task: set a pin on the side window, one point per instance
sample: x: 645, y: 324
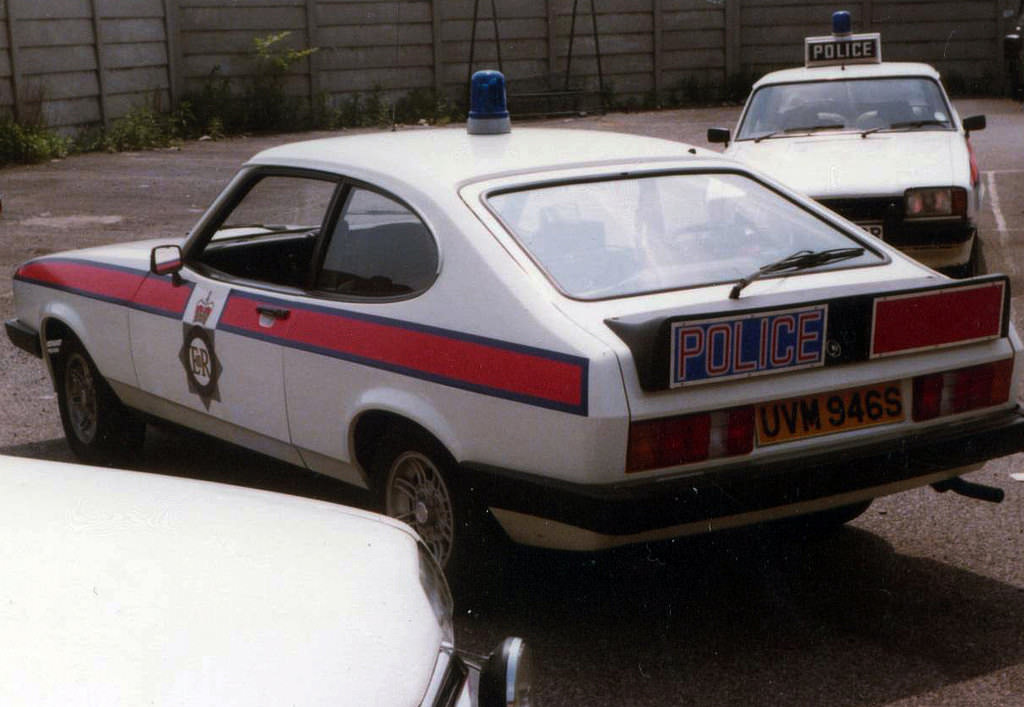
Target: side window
x: 378, y: 248
x: 270, y: 235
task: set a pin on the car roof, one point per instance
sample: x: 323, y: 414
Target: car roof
x: 851, y: 71
x: 450, y: 157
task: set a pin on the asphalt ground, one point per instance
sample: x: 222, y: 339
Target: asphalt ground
x: 918, y: 602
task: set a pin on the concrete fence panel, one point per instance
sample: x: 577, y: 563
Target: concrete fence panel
x: 75, y: 63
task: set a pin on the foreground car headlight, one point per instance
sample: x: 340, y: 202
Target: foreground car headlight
x: 506, y: 676
x: 935, y: 202
x: 440, y: 597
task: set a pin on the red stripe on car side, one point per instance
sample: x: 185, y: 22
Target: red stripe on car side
x: 434, y: 355
x: 161, y: 294
x: 933, y: 319
x: 130, y: 287
x: 111, y: 283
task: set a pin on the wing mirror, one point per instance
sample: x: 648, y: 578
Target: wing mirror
x: 166, y: 260
x: 721, y: 135
x: 975, y: 122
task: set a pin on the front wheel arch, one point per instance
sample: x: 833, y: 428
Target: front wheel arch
x: 97, y: 425
x: 382, y: 441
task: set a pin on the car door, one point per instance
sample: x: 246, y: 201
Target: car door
x: 377, y: 255
x: 218, y: 367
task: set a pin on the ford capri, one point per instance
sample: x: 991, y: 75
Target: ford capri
x: 571, y: 339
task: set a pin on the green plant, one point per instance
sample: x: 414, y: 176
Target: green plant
x: 141, y: 128
x: 268, y: 107
x: 29, y: 143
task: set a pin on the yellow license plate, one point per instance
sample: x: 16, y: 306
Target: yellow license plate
x: 798, y: 418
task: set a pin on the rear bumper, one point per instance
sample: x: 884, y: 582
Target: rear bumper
x: 725, y: 497
x: 24, y: 337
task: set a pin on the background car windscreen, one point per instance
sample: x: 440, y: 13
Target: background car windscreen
x: 624, y: 237
x: 861, y: 104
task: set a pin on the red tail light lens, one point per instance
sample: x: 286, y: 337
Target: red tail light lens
x: 671, y: 441
x: 740, y: 435
x: 928, y: 396
x: 962, y: 390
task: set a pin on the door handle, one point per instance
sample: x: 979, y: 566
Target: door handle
x: 274, y: 312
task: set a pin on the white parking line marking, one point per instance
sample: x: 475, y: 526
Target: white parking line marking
x: 993, y: 199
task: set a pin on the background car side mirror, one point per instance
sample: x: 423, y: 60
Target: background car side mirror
x: 975, y: 122
x: 166, y: 260
x: 721, y: 135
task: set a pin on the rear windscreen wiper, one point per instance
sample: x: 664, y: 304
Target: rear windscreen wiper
x: 800, y: 260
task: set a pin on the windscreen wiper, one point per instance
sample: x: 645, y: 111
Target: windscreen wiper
x: 915, y: 124
x: 800, y: 260
x: 801, y: 129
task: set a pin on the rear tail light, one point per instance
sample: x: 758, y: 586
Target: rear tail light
x: 671, y: 441
x: 962, y: 390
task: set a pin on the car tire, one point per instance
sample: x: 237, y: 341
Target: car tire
x: 418, y: 482
x: 821, y: 523
x: 975, y: 265
x: 98, y: 427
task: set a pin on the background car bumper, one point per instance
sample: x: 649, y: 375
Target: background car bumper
x: 24, y: 337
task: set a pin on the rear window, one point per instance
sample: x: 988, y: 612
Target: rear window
x: 621, y: 237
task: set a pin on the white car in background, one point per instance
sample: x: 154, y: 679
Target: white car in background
x: 878, y: 142
x: 126, y: 588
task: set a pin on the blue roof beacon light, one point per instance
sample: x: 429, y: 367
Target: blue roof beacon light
x: 841, y: 25
x: 488, y: 111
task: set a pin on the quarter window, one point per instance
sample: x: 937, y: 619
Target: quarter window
x: 378, y: 248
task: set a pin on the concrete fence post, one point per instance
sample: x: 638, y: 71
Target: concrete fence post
x: 552, y: 32
x: 436, y: 40
x: 312, y: 35
x: 733, y: 38
x: 172, y: 36
x: 12, y: 49
x: 101, y: 73
x: 658, y: 60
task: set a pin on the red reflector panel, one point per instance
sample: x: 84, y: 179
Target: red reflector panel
x: 924, y: 320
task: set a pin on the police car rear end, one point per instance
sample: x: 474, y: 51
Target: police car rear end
x: 775, y: 359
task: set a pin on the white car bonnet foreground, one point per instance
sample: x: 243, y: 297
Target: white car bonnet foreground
x: 125, y: 588
x: 585, y: 338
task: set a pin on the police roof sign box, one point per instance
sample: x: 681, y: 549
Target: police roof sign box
x: 851, y: 49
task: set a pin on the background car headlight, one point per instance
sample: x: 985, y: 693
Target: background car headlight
x: 935, y: 202
x: 506, y: 676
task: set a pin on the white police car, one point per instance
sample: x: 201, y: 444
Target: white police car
x: 125, y: 588
x: 878, y: 142
x: 588, y: 338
